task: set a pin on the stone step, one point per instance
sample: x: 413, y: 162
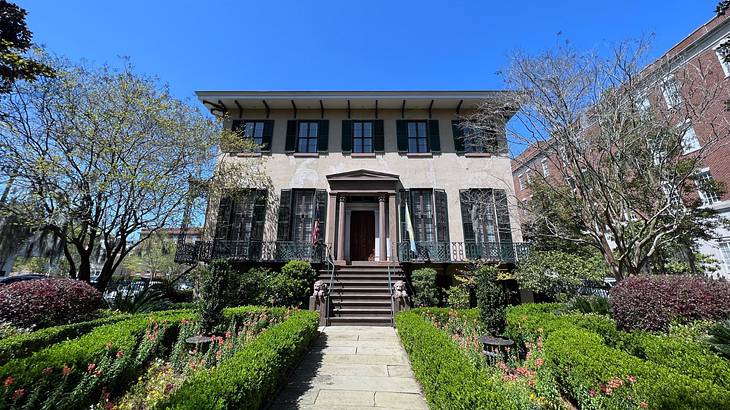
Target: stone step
x: 358, y: 312
x: 372, y: 287
x: 352, y: 302
x: 360, y: 321
x: 360, y: 295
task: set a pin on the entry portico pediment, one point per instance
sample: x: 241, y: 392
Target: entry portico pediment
x: 362, y: 175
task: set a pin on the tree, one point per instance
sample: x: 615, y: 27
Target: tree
x: 99, y: 154
x: 15, y: 41
x: 627, y: 161
x: 155, y: 256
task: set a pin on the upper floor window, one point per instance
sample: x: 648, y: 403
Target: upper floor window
x: 521, y: 181
x: 671, y: 92
x: 417, y: 136
x: 722, y: 54
x: 259, y: 132
x: 690, y: 143
x: 308, y: 136
x: 708, y: 196
x: 725, y: 252
x: 362, y: 136
x: 545, y: 167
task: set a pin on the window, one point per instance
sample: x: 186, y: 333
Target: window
x: 253, y: 130
x: 304, y: 204
x: 241, y: 217
x: 725, y: 252
x: 671, y: 92
x: 545, y: 168
x: 308, y: 136
x: 417, y: 136
x: 690, y: 143
x: 722, y: 53
x: 703, y: 179
x: 422, y: 200
x: 362, y: 136
x: 644, y: 104
x: 485, y: 215
x: 521, y: 181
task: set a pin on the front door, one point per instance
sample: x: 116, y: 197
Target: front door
x: 362, y: 235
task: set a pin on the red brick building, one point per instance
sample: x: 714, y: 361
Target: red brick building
x: 698, y: 50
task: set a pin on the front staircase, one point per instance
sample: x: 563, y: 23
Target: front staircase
x: 360, y: 295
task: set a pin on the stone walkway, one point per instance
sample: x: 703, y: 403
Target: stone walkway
x: 353, y: 368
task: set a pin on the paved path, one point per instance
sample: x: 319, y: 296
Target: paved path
x: 353, y: 368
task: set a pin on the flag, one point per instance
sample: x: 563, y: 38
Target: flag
x: 315, y: 232
x: 409, y: 229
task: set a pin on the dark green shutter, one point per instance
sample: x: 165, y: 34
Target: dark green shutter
x: 284, y: 227
x: 347, y: 136
x: 466, y: 217
x: 502, y: 207
x: 291, y: 136
x: 434, y: 137
x: 258, y: 216
x: 442, y: 215
x: 401, y: 127
x: 323, y: 139
x: 267, y: 136
x: 378, y: 136
x: 321, y: 212
x: 458, y: 136
x: 404, y: 196
x: 236, y: 125
x: 223, y: 220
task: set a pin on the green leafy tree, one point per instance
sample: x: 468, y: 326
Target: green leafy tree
x: 156, y: 257
x: 15, y: 41
x: 492, y: 299
x: 558, y: 274
x: 425, y: 290
x: 99, y: 154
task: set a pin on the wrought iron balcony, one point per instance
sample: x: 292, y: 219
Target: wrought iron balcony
x: 253, y: 251
x: 510, y: 252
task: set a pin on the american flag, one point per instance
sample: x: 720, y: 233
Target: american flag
x: 315, y: 229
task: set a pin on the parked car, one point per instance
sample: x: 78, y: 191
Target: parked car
x: 19, y: 278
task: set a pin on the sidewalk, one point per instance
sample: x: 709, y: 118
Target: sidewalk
x: 353, y: 368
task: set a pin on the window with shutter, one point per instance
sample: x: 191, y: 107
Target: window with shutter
x: 303, y: 215
x: 362, y: 136
x: 291, y: 136
x: 323, y: 138
x: 442, y: 215
x: 308, y: 136
x: 458, y: 134
x: 321, y: 213
x: 401, y: 128
x: 434, y: 136
x: 346, y: 136
x: 258, y: 132
x: 284, y: 226
x: 379, y: 136
x: 417, y: 136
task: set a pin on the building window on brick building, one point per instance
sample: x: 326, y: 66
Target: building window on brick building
x: 671, y: 92
x: 722, y: 55
x: 703, y: 177
x: 521, y: 181
x: 545, y: 168
x: 725, y: 253
x: 644, y: 105
x: 690, y: 142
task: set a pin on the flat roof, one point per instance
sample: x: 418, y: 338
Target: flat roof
x: 464, y: 99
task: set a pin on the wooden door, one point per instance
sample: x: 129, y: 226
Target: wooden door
x: 362, y: 235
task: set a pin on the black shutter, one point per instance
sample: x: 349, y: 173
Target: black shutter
x: 223, y: 220
x: 324, y: 136
x: 291, y: 136
x: 284, y: 227
x: 268, y: 134
x: 402, y: 134
x: 321, y: 212
x: 434, y: 137
x: 346, y: 136
x: 258, y: 216
x: 458, y: 136
x: 442, y: 215
x: 404, y: 196
x: 236, y: 125
x: 378, y: 136
x: 502, y: 207
x: 466, y: 216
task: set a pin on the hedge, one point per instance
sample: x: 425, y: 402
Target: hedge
x: 582, y: 362
x: 71, y: 374
x: 253, y: 374
x: 448, y: 378
x: 23, y: 344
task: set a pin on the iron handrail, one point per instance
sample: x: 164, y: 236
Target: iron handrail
x: 329, y: 260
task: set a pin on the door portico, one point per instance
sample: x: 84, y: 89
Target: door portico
x: 362, y: 191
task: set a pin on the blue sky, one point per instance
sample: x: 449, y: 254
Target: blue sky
x: 330, y: 45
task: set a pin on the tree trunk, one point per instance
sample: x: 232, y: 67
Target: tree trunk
x: 84, y: 268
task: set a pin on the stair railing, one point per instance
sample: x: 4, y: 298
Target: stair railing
x: 330, y: 262
x: 389, y: 264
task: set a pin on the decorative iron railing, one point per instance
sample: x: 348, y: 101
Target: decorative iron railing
x: 254, y: 251
x: 462, y: 251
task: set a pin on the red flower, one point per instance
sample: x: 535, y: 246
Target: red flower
x: 9, y: 380
x: 615, y: 383
x: 120, y: 354
x: 48, y: 370
x: 90, y: 368
x: 66, y: 370
x: 228, y: 334
x: 592, y: 393
x: 18, y: 394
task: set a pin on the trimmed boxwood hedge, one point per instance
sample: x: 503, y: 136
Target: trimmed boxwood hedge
x: 23, y: 344
x: 583, y: 362
x: 252, y: 375
x: 448, y: 378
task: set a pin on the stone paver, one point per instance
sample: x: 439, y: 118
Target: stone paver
x: 353, y: 367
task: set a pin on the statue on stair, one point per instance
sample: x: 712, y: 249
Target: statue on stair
x: 400, y: 297
x: 319, y: 301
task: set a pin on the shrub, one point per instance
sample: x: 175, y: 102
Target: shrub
x: 253, y: 374
x: 589, y: 304
x: 216, y: 290
x: 491, y: 299
x: 458, y: 297
x: 48, y: 302
x: 290, y: 287
x: 586, y: 368
x: 449, y: 380
x: 425, y: 291
x: 23, y: 344
x: 720, y: 338
x: 558, y: 274
x: 654, y: 302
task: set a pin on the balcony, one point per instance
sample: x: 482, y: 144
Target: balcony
x: 509, y: 252
x: 284, y: 251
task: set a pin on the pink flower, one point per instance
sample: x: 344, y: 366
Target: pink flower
x: 644, y: 405
x: 66, y: 370
x: 615, y: 383
x: 169, y: 387
x: 9, y: 380
x: 631, y: 379
x: 48, y: 370
x: 228, y: 334
x: 18, y: 394
x: 120, y: 354
x: 592, y: 393
x: 90, y: 368
x: 539, y: 361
